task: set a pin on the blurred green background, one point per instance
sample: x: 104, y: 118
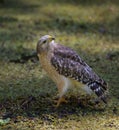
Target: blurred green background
x: 91, y: 27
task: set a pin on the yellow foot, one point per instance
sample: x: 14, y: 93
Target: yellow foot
x: 59, y: 101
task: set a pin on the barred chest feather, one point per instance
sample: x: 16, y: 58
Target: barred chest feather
x: 49, y: 69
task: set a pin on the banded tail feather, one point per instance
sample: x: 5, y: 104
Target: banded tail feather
x: 99, y: 90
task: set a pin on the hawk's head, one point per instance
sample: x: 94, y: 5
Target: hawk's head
x: 43, y: 43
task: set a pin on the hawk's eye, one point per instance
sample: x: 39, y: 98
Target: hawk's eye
x: 44, y: 41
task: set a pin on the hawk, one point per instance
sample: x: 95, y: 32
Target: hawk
x: 65, y: 67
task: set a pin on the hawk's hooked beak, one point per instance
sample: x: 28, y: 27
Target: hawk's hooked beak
x: 51, y: 38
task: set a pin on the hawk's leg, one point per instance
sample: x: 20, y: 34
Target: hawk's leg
x: 62, y: 88
x: 60, y: 100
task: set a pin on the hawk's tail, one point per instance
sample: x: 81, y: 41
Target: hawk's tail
x: 99, y: 91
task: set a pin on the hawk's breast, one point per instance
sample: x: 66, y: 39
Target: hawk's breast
x: 49, y: 69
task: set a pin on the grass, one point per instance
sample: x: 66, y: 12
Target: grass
x: 26, y: 93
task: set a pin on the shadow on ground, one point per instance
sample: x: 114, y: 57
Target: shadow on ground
x: 23, y: 4
x: 19, y: 6
x: 23, y: 31
x: 42, y: 105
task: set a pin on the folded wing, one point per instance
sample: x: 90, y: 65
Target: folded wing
x: 69, y: 64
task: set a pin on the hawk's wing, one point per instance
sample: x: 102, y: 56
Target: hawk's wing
x: 68, y: 63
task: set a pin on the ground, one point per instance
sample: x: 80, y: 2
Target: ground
x: 26, y: 93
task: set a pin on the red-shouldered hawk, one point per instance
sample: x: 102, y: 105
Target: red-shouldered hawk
x: 64, y: 66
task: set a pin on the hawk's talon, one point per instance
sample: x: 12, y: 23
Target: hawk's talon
x: 59, y: 101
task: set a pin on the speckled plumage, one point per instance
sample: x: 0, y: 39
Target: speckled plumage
x: 64, y: 64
